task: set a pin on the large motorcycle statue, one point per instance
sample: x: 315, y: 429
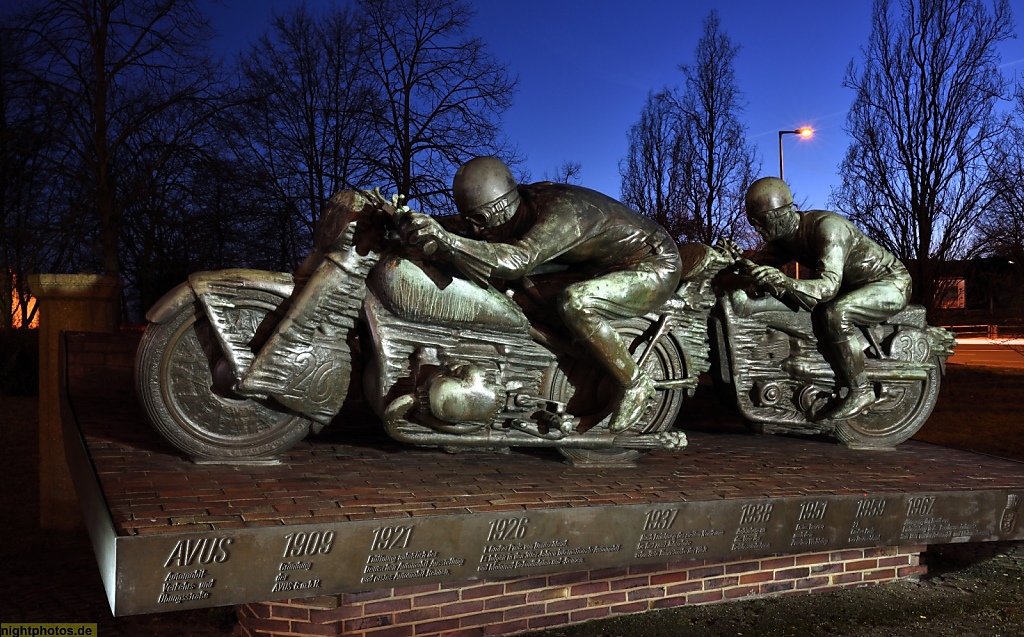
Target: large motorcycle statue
x: 239, y: 365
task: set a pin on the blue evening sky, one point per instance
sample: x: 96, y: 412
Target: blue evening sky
x: 585, y: 68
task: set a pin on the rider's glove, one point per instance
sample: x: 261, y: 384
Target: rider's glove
x: 772, y: 279
x: 729, y: 248
x: 424, y: 232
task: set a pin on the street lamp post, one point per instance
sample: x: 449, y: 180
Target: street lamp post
x: 804, y: 132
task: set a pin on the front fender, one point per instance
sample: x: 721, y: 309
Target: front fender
x: 200, y: 283
x: 170, y: 303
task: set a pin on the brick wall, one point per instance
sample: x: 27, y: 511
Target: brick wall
x: 87, y: 352
x: 501, y: 607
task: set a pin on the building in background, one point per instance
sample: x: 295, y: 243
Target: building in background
x: 23, y: 307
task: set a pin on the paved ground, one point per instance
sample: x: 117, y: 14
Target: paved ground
x: 967, y: 595
x: 989, y: 352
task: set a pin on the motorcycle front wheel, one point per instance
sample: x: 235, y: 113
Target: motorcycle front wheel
x: 586, y: 389
x: 183, y: 382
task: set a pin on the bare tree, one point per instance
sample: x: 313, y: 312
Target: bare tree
x: 1002, y: 226
x: 303, y: 122
x: 650, y: 173
x: 568, y: 173
x: 19, y: 135
x: 112, y: 68
x: 439, y: 93
x: 923, y: 122
x: 174, y: 227
x: 716, y: 162
x: 689, y: 163
x: 38, y: 231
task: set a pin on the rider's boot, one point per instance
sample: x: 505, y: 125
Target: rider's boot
x: 850, y: 369
x: 635, y: 398
x: 637, y: 387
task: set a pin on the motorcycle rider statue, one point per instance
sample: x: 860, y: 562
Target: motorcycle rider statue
x: 516, y: 228
x: 857, y: 281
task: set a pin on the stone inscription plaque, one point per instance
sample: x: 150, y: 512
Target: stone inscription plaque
x: 175, y: 571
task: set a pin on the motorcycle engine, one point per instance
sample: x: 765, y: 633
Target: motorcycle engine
x: 461, y: 393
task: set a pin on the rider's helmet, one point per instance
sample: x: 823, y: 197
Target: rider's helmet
x: 765, y: 195
x: 485, y: 191
x: 769, y: 207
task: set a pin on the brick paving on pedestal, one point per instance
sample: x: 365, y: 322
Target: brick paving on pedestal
x: 152, y: 489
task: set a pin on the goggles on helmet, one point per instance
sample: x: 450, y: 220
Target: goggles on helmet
x: 494, y: 213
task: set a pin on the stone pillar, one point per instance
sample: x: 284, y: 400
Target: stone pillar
x: 67, y: 302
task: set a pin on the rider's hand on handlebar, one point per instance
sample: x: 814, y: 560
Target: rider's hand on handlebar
x: 729, y: 248
x: 771, y: 278
x: 424, y: 232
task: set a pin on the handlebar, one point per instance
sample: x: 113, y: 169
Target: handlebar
x: 394, y: 208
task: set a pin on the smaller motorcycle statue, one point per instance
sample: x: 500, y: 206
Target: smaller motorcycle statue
x: 768, y: 362
x: 239, y: 365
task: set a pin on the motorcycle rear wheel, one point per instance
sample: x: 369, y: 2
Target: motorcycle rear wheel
x: 180, y: 379
x: 907, y: 407
x: 585, y: 387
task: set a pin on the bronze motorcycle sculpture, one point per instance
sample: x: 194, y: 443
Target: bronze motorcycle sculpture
x: 239, y: 365
x: 242, y: 364
x: 768, y: 363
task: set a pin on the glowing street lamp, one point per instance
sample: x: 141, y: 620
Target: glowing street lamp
x: 804, y: 132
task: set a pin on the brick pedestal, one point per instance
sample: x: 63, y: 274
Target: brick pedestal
x: 501, y: 607
x: 67, y: 302
x: 170, y: 534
